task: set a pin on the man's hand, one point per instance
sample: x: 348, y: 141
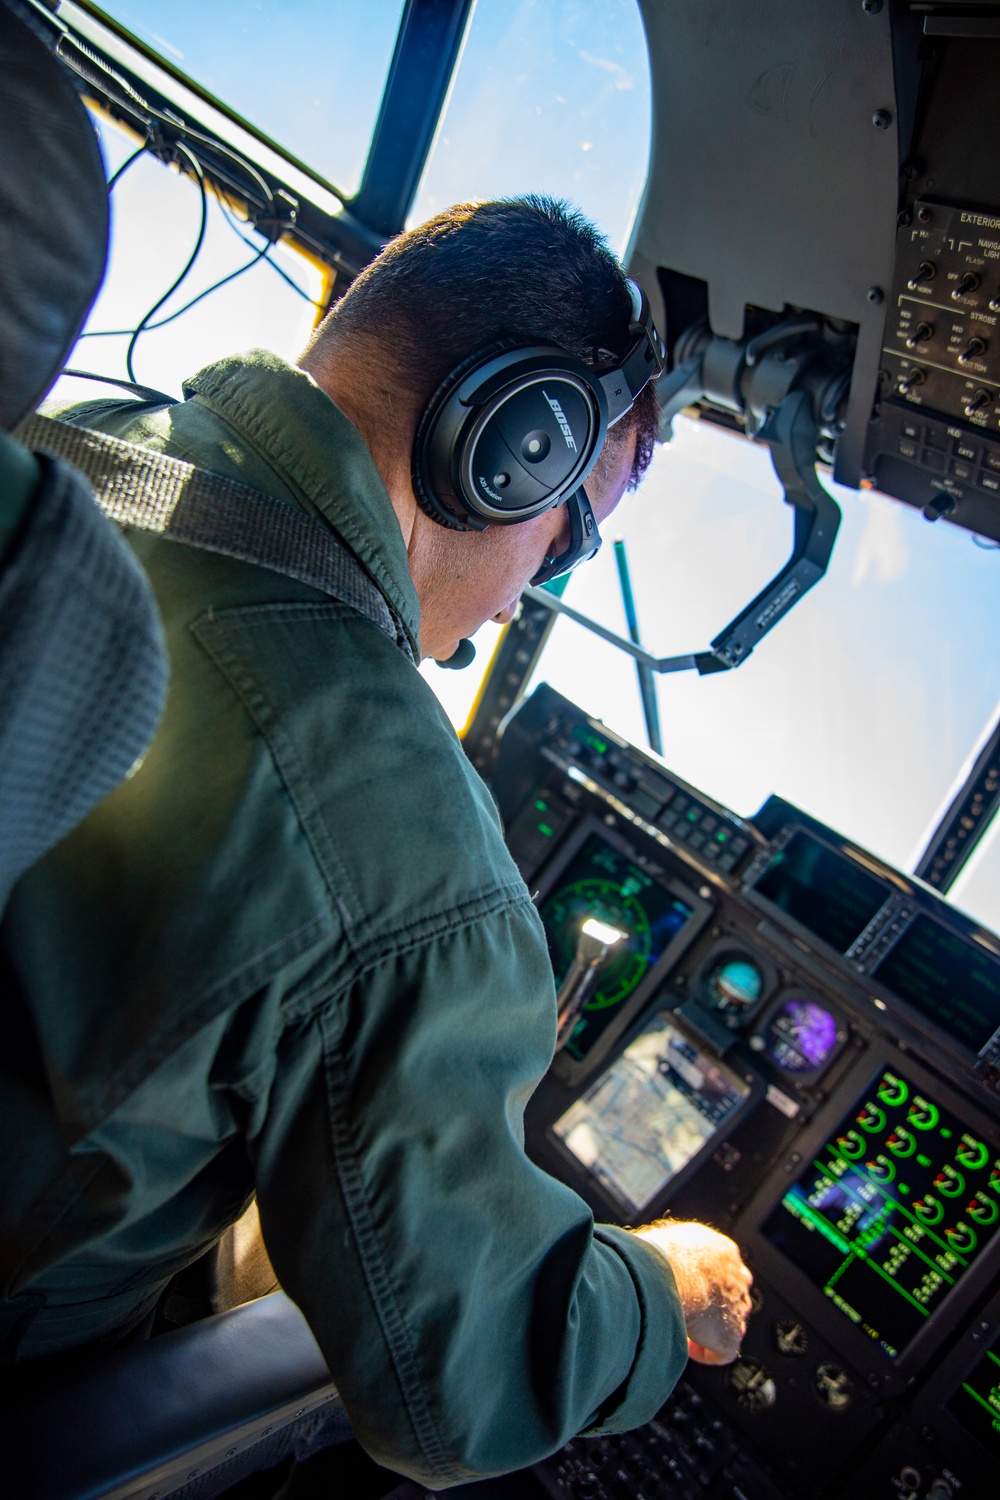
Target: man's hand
x: 713, y: 1283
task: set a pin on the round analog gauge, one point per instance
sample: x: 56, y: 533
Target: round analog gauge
x: 733, y: 987
x: 790, y: 1338
x: 753, y: 1385
x: 801, y: 1035
x: 833, y: 1386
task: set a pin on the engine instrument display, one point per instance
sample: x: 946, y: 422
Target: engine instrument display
x: 892, y: 1211
x: 801, y: 1035
x: 650, y: 1113
x: 976, y: 1403
x: 732, y: 987
x: 950, y: 981
x: 826, y: 892
x: 601, y: 882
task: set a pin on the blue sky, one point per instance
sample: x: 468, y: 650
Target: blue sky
x: 863, y: 706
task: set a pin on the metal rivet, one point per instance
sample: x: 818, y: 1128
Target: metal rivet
x: 924, y: 214
x: 903, y: 217
x: 881, y: 119
x: 875, y: 294
x: 871, y: 7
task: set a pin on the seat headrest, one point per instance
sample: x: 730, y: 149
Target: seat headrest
x: 53, y: 217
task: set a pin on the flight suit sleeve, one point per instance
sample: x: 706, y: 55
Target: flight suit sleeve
x: 472, y: 1315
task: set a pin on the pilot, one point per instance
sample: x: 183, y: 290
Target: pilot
x: 290, y: 956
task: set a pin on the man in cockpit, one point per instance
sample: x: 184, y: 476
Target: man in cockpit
x: 290, y: 956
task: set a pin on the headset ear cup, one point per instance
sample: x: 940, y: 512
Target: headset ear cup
x: 430, y: 439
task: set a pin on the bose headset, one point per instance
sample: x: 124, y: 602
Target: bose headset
x: 509, y: 435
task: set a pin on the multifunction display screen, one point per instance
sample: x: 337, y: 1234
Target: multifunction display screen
x: 601, y: 882
x: 950, y: 981
x: 976, y: 1403
x: 829, y: 894
x: 654, y: 1109
x: 892, y: 1211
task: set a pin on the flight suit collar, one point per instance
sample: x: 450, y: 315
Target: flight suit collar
x: 317, y: 453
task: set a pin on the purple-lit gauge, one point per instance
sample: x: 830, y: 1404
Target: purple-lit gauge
x: 801, y: 1035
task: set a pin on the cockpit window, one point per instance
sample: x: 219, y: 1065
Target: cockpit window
x: 548, y: 97
x: 860, y: 708
x: 309, y: 74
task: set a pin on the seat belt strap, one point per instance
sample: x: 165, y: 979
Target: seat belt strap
x: 153, y: 492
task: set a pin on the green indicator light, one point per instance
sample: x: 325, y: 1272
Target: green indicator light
x: 694, y: 815
x: 542, y: 806
x: 721, y: 836
x: 946, y: 1134
x: 924, y: 1161
x: 544, y: 828
x: 903, y: 1188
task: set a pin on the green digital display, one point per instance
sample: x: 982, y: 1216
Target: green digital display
x: 976, y: 1403
x: 599, y: 881
x: 892, y: 1211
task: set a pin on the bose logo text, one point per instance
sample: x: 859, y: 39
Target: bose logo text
x: 564, y: 426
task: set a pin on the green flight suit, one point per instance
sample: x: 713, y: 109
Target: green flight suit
x: 291, y: 955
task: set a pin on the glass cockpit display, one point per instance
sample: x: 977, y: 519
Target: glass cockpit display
x: 952, y: 982
x: 892, y: 1211
x: 650, y: 1113
x: 600, y: 882
x: 825, y: 891
x: 976, y: 1403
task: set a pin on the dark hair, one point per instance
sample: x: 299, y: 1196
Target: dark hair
x: 527, y: 270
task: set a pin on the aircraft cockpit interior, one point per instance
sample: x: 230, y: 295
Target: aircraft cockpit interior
x: 748, y: 760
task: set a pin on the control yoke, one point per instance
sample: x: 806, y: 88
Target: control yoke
x: 790, y: 403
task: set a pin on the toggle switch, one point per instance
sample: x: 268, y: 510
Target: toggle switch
x: 976, y: 402
x: 968, y: 284
x: 977, y: 346
x: 920, y: 335
x: 926, y: 271
x: 911, y: 378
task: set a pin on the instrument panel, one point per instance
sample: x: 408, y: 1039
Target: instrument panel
x: 784, y: 1044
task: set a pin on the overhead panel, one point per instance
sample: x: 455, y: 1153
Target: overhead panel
x: 774, y: 167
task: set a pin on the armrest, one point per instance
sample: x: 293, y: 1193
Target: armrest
x: 143, y: 1420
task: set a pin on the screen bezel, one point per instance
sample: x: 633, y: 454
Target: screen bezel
x: 884, y: 1373
x: 570, y: 1169
x: 570, y: 1070
x: 794, y: 926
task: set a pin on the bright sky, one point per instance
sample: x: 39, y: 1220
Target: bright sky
x: 863, y: 706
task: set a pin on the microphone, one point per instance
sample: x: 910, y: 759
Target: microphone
x: 463, y: 655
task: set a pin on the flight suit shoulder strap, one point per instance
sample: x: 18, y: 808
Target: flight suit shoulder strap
x: 154, y: 492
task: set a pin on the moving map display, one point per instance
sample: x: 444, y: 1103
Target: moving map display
x: 601, y: 882
x: 892, y: 1212
x: 650, y: 1113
